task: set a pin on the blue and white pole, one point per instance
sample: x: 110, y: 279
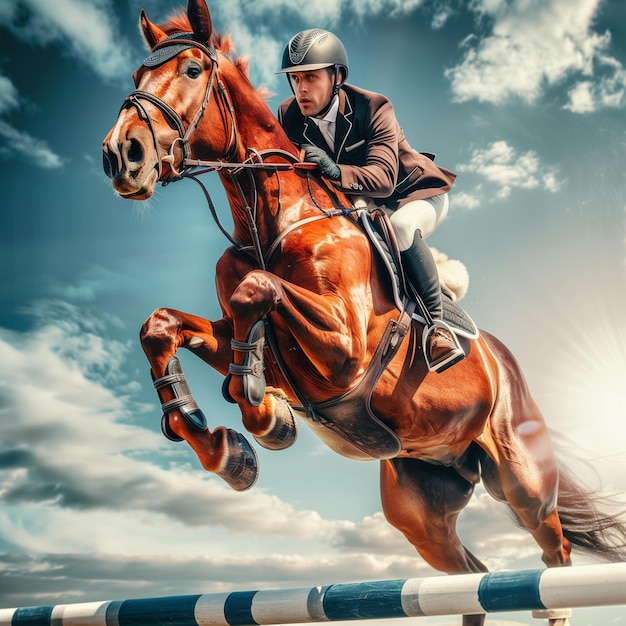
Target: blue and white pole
x: 529, y: 590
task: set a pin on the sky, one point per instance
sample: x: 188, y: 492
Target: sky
x: 524, y: 99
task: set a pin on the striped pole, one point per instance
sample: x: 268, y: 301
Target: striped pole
x: 529, y: 590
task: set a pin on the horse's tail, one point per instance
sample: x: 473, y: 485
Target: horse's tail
x: 585, y: 516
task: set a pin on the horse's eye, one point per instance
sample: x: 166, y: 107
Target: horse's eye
x: 193, y: 70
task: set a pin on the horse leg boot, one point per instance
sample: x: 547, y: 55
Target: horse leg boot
x: 441, y: 348
x: 238, y: 462
x: 283, y: 430
x: 252, y: 371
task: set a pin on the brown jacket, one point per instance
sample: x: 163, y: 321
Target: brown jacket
x: 371, y: 150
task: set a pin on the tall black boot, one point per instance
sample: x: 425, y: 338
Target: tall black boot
x: 441, y: 348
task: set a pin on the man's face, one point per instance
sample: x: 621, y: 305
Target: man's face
x: 313, y: 90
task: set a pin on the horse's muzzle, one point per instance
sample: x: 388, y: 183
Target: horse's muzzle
x: 115, y: 161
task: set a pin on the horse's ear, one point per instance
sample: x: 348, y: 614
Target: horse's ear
x: 200, y: 20
x: 152, y: 34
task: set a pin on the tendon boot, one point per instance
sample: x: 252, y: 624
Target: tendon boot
x: 441, y: 347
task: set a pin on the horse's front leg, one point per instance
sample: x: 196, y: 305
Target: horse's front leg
x: 223, y: 450
x: 331, y: 332
x: 327, y: 333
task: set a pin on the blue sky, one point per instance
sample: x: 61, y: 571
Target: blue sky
x: 524, y: 99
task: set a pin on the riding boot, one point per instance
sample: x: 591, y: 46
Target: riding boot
x: 441, y: 348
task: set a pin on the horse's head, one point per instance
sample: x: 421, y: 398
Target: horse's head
x: 175, y: 86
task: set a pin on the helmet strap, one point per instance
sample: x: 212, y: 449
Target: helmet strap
x: 336, y: 82
x: 335, y: 91
x: 293, y: 91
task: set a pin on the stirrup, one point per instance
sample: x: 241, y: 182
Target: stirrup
x: 447, y: 360
x: 253, y: 370
x: 183, y: 400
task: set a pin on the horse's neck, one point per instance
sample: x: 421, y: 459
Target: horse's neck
x: 264, y: 204
x: 276, y: 199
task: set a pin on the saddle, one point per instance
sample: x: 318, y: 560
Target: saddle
x: 376, y: 226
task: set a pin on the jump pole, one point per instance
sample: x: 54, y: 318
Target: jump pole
x: 540, y: 591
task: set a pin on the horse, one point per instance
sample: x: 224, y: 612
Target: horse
x: 311, y: 331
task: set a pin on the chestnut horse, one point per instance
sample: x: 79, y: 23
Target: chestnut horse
x: 308, y: 307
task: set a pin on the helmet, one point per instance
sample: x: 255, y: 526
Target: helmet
x: 314, y: 49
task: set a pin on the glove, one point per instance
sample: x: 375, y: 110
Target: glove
x: 326, y: 165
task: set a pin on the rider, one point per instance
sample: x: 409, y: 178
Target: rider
x: 355, y: 140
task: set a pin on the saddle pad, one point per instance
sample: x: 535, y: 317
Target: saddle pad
x: 458, y: 319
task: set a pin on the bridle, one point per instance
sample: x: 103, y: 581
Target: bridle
x: 135, y: 99
x: 189, y: 167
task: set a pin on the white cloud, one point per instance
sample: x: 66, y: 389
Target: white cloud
x: 442, y: 12
x: 9, y: 98
x: 265, y: 45
x: 465, y: 200
x: 501, y: 165
x: 535, y: 45
x: 89, y: 33
x: 373, y: 534
x: 88, y: 28
x: 57, y: 395
x: 587, y: 96
x: 17, y: 142
x: 35, y: 151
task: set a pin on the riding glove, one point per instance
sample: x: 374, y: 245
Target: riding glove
x: 326, y: 165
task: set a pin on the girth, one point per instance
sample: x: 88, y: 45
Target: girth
x: 347, y: 423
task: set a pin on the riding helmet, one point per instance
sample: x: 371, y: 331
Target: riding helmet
x: 314, y: 49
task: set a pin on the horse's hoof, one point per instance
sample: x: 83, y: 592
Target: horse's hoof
x: 240, y: 466
x: 285, y: 429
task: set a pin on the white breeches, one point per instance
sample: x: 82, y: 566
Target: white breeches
x: 423, y: 215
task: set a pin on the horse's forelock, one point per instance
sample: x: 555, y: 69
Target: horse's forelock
x: 179, y: 22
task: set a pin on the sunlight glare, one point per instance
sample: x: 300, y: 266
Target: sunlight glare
x: 588, y: 379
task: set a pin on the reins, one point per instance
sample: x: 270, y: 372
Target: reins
x: 251, y: 208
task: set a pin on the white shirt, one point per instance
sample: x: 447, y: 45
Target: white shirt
x: 328, y: 123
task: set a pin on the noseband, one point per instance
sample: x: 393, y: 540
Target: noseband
x: 164, y: 51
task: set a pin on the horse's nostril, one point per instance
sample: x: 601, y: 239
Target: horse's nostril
x: 106, y: 164
x: 135, y: 151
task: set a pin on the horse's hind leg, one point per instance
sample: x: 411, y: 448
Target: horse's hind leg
x: 527, y: 471
x: 528, y: 478
x: 423, y: 501
x: 525, y: 468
